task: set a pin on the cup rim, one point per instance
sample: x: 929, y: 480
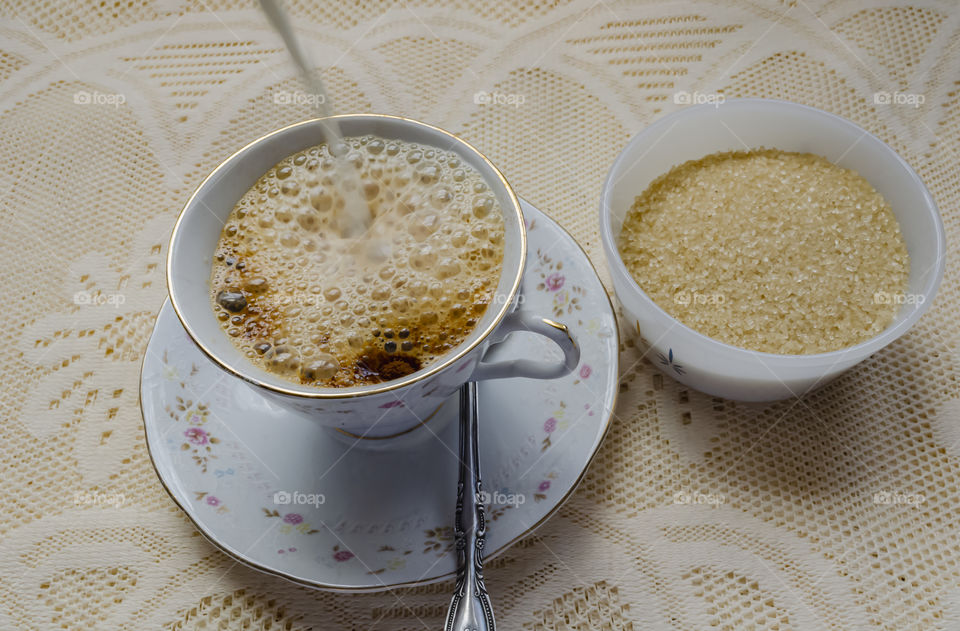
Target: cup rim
x: 864, y: 348
x: 348, y: 393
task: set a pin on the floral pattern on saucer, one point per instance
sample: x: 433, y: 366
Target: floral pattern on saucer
x: 196, y: 440
x: 291, y: 523
x: 284, y: 494
x: 202, y: 497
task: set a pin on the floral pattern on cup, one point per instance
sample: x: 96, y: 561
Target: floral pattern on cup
x: 566, y: 296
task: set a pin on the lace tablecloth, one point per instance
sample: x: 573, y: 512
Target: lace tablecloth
x: 839, y: 511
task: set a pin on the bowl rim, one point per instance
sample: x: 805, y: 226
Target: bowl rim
x: 864, y: 348
x: 316, y: 393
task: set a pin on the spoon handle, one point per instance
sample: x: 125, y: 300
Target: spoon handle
x: 470, y: 608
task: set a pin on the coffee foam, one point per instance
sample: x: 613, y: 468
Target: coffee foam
x: 306, y: 303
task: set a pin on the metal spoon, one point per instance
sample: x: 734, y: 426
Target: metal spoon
x: 470, y: 608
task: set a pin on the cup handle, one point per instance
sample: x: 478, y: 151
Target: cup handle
x: 522, y: 321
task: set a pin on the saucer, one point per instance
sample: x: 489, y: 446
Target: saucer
x: 287, y: 496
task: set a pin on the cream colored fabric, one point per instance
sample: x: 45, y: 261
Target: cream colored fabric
x: 698, y: 513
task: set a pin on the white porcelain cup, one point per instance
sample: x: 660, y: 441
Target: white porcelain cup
x: 694, y: 132
x: 371, y: 411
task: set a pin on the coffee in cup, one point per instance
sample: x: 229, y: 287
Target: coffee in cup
x: 315, y: 307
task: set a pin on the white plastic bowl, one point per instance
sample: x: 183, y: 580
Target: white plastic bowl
x: 735, y: 373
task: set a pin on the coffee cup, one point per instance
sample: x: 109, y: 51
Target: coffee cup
x: 379, y: 410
